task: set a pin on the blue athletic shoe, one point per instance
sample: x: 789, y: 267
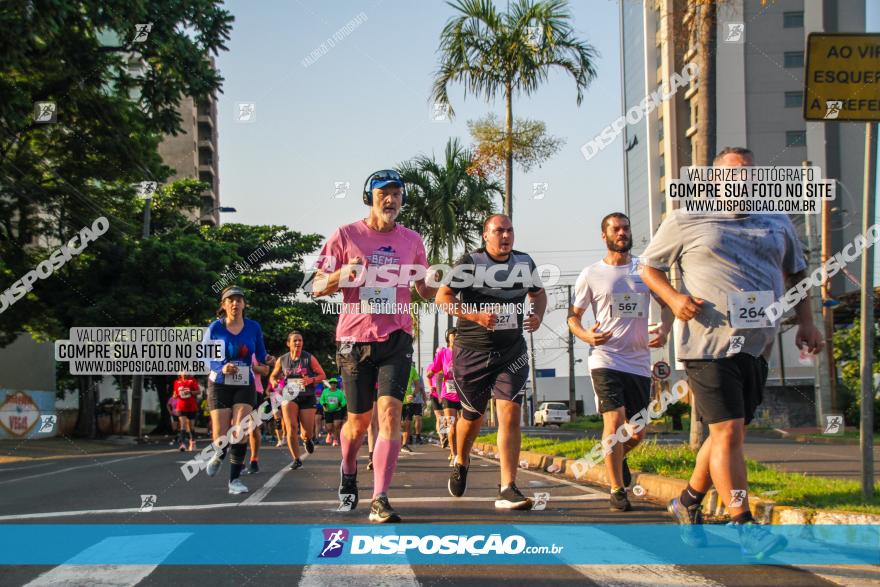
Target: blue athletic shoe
x: 690, y: 521
x: 756, y: 542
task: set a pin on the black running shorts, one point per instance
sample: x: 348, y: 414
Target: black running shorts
x: 618, y: 389
x: 364, y: 364
x: 728, y: 388
x: 481, y: 375
x: 222, y: 396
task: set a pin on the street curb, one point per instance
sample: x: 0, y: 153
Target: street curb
x: 661, y: 489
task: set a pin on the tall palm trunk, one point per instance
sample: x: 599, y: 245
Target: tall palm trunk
x: 508, y: 171
x: 704, y: 151
x: 449, y: 261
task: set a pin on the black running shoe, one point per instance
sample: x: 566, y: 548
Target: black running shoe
x: 457, y: 484
x: 405, y: 448
x: 370, y: 465
x: 512, y: 499
x: 382, y: 512
x: 348, y: 490
x: 254, y: 468
x: 296, y: 464
x: 627, y: 475
x: 310, y: 446
x: 444, y: 441
x: 619, y: 501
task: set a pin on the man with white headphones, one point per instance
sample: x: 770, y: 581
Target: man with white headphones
x: 371, y: 262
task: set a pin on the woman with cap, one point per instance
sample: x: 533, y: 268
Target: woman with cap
x: 448, y: 391
x: 299, y: 372
x: 231, y: 392
x: 335, y: 411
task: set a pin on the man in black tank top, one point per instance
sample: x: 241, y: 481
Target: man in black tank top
x: 490, y: 358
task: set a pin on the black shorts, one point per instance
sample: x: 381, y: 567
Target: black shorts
x: 481, y: 375
x: 411, y: 410
x: 436, y: 404
x: 305, y: 402
x: 728, y: 388
x: 222, y: 396
x: 190, y: 415
x: 337, y: 416
x: 366, y: 363
x: 448, y: 404
x: 619, y: 389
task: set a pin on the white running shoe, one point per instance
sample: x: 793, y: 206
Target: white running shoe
x: 213, y: 466
x: 236, y: 487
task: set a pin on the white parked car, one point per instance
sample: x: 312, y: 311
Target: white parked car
x: 552, y: 413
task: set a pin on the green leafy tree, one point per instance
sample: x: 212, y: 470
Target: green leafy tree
x: 847, y: 343
x: 508, y: 53
x: 531, y: 145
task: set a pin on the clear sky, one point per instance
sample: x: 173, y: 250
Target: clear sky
x: 364, y: 105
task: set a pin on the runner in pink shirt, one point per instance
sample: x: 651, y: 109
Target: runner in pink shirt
x: 434, y: 383
x: 442, y: 365
x: 373, y: 262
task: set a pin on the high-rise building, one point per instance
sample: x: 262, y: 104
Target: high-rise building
x: 758, y: 102
x: 759, y: 92
x: 193, y: 153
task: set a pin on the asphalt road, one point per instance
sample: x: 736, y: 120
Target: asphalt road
x: 107, y: 490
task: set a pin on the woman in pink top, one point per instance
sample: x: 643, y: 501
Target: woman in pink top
x: 442, y: 365
x: 435, y: 382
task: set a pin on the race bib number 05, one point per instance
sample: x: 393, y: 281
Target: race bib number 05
x: 450, y: 387
x: 378, y: 300
x: 629, y: 305
x: 748, y: 308
x: 243, y: 377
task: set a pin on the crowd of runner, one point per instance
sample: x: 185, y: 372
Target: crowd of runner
x: 725, y: 263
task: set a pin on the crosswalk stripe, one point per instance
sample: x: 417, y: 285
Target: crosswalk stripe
x: 78, y: 571
x: 645, y: 575
x: 355, y: 575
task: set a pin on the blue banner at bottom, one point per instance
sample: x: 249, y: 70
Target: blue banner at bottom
x: 416, y: 544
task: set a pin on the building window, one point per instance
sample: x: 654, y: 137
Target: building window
x: 793, y: 20
x: 795, y: 138
x: 794, y: 99
x: 662, y: 166
x: 794, y: 59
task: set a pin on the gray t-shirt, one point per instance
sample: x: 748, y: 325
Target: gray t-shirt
x: 722, y: 254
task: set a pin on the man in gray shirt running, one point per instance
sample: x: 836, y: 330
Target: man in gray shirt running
x: 732, y: 267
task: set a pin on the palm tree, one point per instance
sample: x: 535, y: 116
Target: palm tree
x: 507, y: 53
x: 446, y: 205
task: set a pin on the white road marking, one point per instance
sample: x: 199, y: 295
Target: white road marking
x: 261, y: 493
x: 309, y: 503
x: 583, y: 488
x: 355, y: 575
x: 846, y: 575
x: 101, y: 464
x: 82, y: 570
x: 615, y: 575
x: 643, y: 576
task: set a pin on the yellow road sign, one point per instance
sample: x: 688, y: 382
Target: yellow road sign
x: 842, y: 77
